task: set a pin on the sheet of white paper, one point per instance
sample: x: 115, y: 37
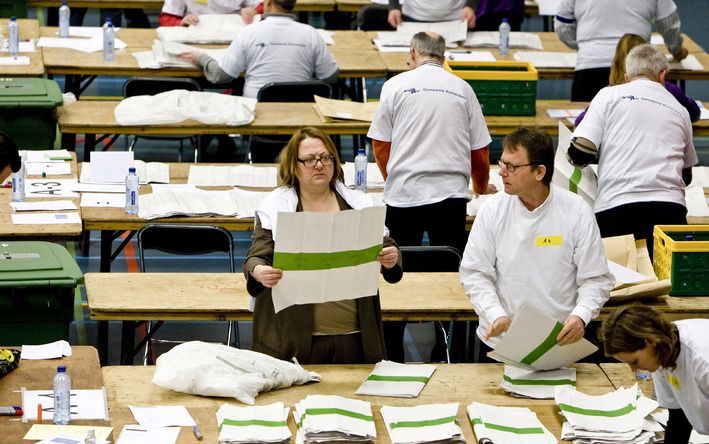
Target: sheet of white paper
x: 382, y: 46
x: 547, y: 59
x: 15, y: 61
x: 452, y: 31
x: 44, y: 205
x: 146, y: 60
x: 110, y: 166
x: 491, y: 39
x: 587, y: 185
x: 85, y: 404
x: 147, y: 173
x: 564, y: 113
x: 47, y: 431
x: 327, y: 36
x: 135, y: 434
x: 48, y: 168
x: 51, y: 188
x: 52, y: 350
x: 45, y: 218
x: 81, y: 44
x: 27, y: 46
x: 162, y: 416
x: 696, y: 202
x: 624, y: 275
x: 108, y: 200
x: 470, y: 56
x: 700, y: 177
x: 44, y: 156
x: 696, y: 438
x: 248, y: 201
x: 68, y: 439
x: 548, y: 7
x: 241, y: 175
x: 160, y: 187
x: 657, y: 39
x: 98, y: 188
x: 87, y: 31
x: 689, y: 63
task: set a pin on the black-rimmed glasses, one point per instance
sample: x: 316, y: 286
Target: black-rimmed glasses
x: 512, y: 167
x: 311, y: 161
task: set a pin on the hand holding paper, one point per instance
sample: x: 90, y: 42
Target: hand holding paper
x: 501, y: 325
x: 388, y: 257
x: 573, y: 330
x: 267, y: 275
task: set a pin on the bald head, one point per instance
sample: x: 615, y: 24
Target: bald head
x: 429, y: 45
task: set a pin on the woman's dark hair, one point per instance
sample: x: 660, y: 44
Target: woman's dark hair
x: 9, y: 154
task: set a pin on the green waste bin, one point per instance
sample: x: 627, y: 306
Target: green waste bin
x: 37, y: 283
x: 28, y: 111
x: 13, y: 8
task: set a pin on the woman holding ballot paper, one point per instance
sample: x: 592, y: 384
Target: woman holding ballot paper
x: 677, y: 354
x: 339, y: 331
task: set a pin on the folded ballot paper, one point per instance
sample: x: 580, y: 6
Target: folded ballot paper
x: 147, y: 172
x: 533, y: 384
x: 582, y: 181
x: 398, y: 380
x: 629, y: 262
x: 262, y: 423
x: 423, y: 423
x: 325, y: 418
x: 508, y: 425
x: 530, y: 343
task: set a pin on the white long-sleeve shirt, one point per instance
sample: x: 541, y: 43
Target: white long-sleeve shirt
x: 551, y: 256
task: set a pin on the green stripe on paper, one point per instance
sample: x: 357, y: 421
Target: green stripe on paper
x: 591, y: 412
x: 424, y: 423
x: 539, y: 381
x: 574, y: 180
x: 336, y: 411
x: 515, y: 430
x: 325, y: 261
x: 251, y: 422
x: 421, y: 379
x: 544, y: 347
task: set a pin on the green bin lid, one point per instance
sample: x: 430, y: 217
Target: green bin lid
x: 29, y: 93
x: 37, y: 264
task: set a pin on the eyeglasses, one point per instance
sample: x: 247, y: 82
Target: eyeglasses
x: 311, y: 161
x: 512, y: 167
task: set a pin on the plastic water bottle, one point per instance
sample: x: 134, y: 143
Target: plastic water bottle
x: 62, y: 398
x: 504, y: 45
x: 109, y: 41
x: 18, y: 183
x: 13, y: 37
x: 360, y: 162
x: 90, y: 437
x: 64, y: 16
x: 132, y: 185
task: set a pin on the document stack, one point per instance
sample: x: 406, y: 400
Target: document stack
x: 619, y: 416
x: 266, y: 423
x: 536, y: 384
x: 322, y: 418
x: 399, y: 380
x: 424, y: 423
x: 168, y: 203
x: 508, y: 425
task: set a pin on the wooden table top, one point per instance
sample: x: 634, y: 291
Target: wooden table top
x: 29, y: 29
x: 620, y: 375
x: 154, y: 5
x: 462, y: 383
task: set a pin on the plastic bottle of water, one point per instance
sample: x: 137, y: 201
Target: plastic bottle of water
x: 64, y: 16
x: 62, y: 398
x: 109, y: 41
x: 90, y: 437
x: 18, y: 183
x: 504, y: 45
x: 360, y: 162
x: 13, y: 36
x: 132, y: 186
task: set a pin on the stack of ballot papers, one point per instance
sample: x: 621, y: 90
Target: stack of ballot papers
x: 184, y: 202
x: 164, y: 54
x: 374, y: 176
x: 157, y: 172
x: 327, y: 418
x: 424, y: 423
x: 491, y: 39
x: 452, y: 31
x: 399, y: 380
x: 536, y: 384
x: 240, y: 176
x: 508, y: 425
x: 47, y: 162
x: 263, y: 423
x: 547, y: 59
x: 82, y: 38
x: 211, y: 28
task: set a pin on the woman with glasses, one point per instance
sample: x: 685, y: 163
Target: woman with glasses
x: 349, y: 331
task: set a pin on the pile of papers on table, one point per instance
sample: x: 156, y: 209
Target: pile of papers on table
x: 211, y: 28
x: 263, y: 423
x: 491, y: 39
x: 536, y: 384
x: 240, y: 175
x: 324, y: 418
x: 451, y: 31
x: 333, y: 110
x: 399, y: 380
x: 423, y: 423
x: 195, y: 202
x: 508, y: 425
x: 547, y: 59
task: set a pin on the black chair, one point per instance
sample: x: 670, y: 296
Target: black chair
x: 373, y: 18
x: 265, y: 149
x: 141, y: 86
x: 186, y: 240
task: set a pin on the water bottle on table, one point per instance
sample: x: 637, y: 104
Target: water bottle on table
x: 109, y: 41
x: 360, y: 162
x: 13, y: 38
x: 18, y: 183
x: 64, y: 17
x: 132, y: 185
x: 504, y: 45
x: 62, y: 396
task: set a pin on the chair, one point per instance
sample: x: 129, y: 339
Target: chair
x: 373, y: 18
x: 141, y: 86
x: 265, y: 149
x: 186, y: 240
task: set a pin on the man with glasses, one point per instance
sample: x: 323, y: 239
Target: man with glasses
x: 535, y: 242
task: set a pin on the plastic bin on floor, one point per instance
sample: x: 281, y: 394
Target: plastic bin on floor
x: 28, y: 111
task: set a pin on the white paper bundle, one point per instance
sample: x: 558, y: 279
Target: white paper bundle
x: 508, y: 425
x: 323, y: 418
x: 536, y: 384
x: 211, y: 28
x: 547, y: 59
x: 168, y: 203
x: 147, y: 172
x: 240, y: 176
x: 423, y: 423
x: 399, y: 380
x: 491, y: 39
x: 263, y: 423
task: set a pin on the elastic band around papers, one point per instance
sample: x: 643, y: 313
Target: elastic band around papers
x: 424, y: 423
x: 516, y: 430
x: 539, y: 381
x: 334, y: 411
x: 250, y: 422
x: 325, y: 261
x: 574, y: 180
x: 544, y: 347
x: 421, y: 379
x: 591, y: 412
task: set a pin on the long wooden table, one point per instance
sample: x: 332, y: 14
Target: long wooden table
x: 462, y: 383
x: 155, y: 5
x: 29, y: 29
x: 620, y: 375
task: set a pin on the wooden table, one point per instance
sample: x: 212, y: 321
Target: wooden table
x: 620, y: 375
x: 83, y: 367
x: 29, y: 29
x: 155, y: 5
x: 462, y: 383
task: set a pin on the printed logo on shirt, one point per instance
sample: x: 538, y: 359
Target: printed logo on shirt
x: 548, y: 241
x: 260, y: 45
x: 410, y: 90
x: 673, y: 380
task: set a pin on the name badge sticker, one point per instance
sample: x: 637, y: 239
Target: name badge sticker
x: 548, y: 241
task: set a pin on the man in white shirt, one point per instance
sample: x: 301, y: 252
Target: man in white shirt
x: 431, y: 11
x: 187, y: 12
x: 535, y: 242
x: 642, y: 138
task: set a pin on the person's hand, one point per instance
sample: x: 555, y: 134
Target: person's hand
x: 394, y: 18
x: 501, y: 325
x: 192, y: 56
x: 388, y: 257
x: 189, y: 19
x: 469, y: 16
x: 573, y: 330
x: 267, y: 275
x: 247, y: 15
x: 681, y: 55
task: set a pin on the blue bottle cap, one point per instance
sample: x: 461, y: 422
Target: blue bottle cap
x: 131, y: 170
x: 61, y: 369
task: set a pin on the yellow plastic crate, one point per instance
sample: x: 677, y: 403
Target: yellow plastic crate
x: 681, y: 253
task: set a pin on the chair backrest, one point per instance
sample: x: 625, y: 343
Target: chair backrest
x: 188, y: 240
x: 436, y: 259
x: 373, y: 18
x: 293, y: 91
x: 142, y: 86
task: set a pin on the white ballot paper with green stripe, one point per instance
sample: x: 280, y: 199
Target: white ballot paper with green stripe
x: 614, y: 412
x: 536, y: 384
x: 327, y: 256
x: 530, y: 343
x: 423, y: 423
x: 324, y: 418
x: 508, y: 425
x: 262, y: 423
x: 582, y: 181
x: 398, y: 380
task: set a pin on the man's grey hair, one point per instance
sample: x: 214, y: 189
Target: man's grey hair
x: 426, y: 45
x: 646, y: 60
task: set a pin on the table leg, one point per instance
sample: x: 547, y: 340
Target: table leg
x: 106, y: 243
x: 127, y: 342
x: 89, y: 145
x: 103, y: 342
x: 69, y: 141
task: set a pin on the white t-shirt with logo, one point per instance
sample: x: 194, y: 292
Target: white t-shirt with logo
x: 601, y: 23
x: 551, y: 256
x: 182, y: 8
x: 687, y: 386
x: 277, y: 49
x: 433, y: 120
x: 433, y: 10
x: 644, y: 137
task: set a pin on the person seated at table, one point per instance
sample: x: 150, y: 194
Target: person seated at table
x: 349, y: 331
x: 489, y: 14
x: 10, y: 160
x: 431, y: 11
x: 677, y: 354
x: 276, y: 49
x: 187, y: 12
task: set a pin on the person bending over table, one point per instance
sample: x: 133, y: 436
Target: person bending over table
x: 677, y: 354
x: 349, y: 331
x: 10, y: 160
x: 431, y: 11
x: 187, y: 12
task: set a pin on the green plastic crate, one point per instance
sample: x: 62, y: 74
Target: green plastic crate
x: 681, y: 253
x: 503, y: 88
x: 37, y: 283
x: 13, y: 8
x: 28, y: 111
